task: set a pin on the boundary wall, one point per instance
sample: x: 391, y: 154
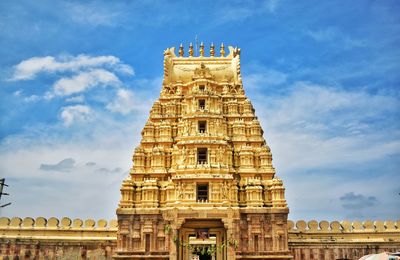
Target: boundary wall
x: 52, y: 238
x: 342, y: 240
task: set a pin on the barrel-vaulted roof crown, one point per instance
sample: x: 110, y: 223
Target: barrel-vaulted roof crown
x: 183, y: 69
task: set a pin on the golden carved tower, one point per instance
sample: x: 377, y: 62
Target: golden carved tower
x: 202, y: 185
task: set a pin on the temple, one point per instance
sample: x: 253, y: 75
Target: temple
x: 202, y: 184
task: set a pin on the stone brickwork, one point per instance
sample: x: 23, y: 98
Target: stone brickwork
x: 342, y: 240
x: 77, y: 239
x: 202, y: 158
x: 52, y: 238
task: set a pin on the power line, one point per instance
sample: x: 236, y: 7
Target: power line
x: 2, y: 184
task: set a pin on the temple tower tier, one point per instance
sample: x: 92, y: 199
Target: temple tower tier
x: 202, y: 184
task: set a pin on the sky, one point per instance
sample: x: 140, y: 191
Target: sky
x: 78, y: 78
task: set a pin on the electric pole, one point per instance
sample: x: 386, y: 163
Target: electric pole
x: 2, y: 184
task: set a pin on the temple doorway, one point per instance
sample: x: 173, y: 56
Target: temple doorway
x: 202, y: 240
x: 203, y: 257
x: 203, y: 248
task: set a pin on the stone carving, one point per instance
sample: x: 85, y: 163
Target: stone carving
x: 41, y: 223
x: 20, y: 240
x: 202, y: 72
x: 185, y: 176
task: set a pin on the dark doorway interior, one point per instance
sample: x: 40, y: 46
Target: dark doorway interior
x: 205, y: 257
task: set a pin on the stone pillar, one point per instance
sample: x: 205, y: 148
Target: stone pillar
x: 232, y: 237
x: 127, y: 191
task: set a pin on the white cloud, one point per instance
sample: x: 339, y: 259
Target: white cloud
x: 123, y: 103
x: 264, y: 79
x: 17, y: 93
x: 71, y: 114
x: 30, y: 68
x: 322, y: 200
x: 271, y: 5
x: 322, y: 35
x: 335, y: 36
x: 124, y: 68
x: 82, y: 81
x: 27, y: 99
x: 77, y: 99
x: 100, y: 150
x: 32, y: 98
x: 316, y: 126
x: 109, y: 171
x: 48, y: 194
x: 321, y: 137
x: 299, y: 128
x: 239, y: 11
x: 92, y: 14
x: 77, y: 74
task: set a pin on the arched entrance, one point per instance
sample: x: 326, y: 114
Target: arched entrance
x: 202, y: 239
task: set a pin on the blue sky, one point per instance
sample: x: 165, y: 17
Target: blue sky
x: 77, y: 79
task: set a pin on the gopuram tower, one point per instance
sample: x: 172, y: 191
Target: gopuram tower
x: 202, y: 185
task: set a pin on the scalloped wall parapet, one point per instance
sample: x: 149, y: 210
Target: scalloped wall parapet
x: 50, y: 238
x: 299, y: 226
x: 345, y: 226
x: 55, y: 223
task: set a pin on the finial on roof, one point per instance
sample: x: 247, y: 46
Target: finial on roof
x: 190, y: 50
x: 201, y: 49
x: 222, y: 50
x: 212, y: 50
x: 181, y: 52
